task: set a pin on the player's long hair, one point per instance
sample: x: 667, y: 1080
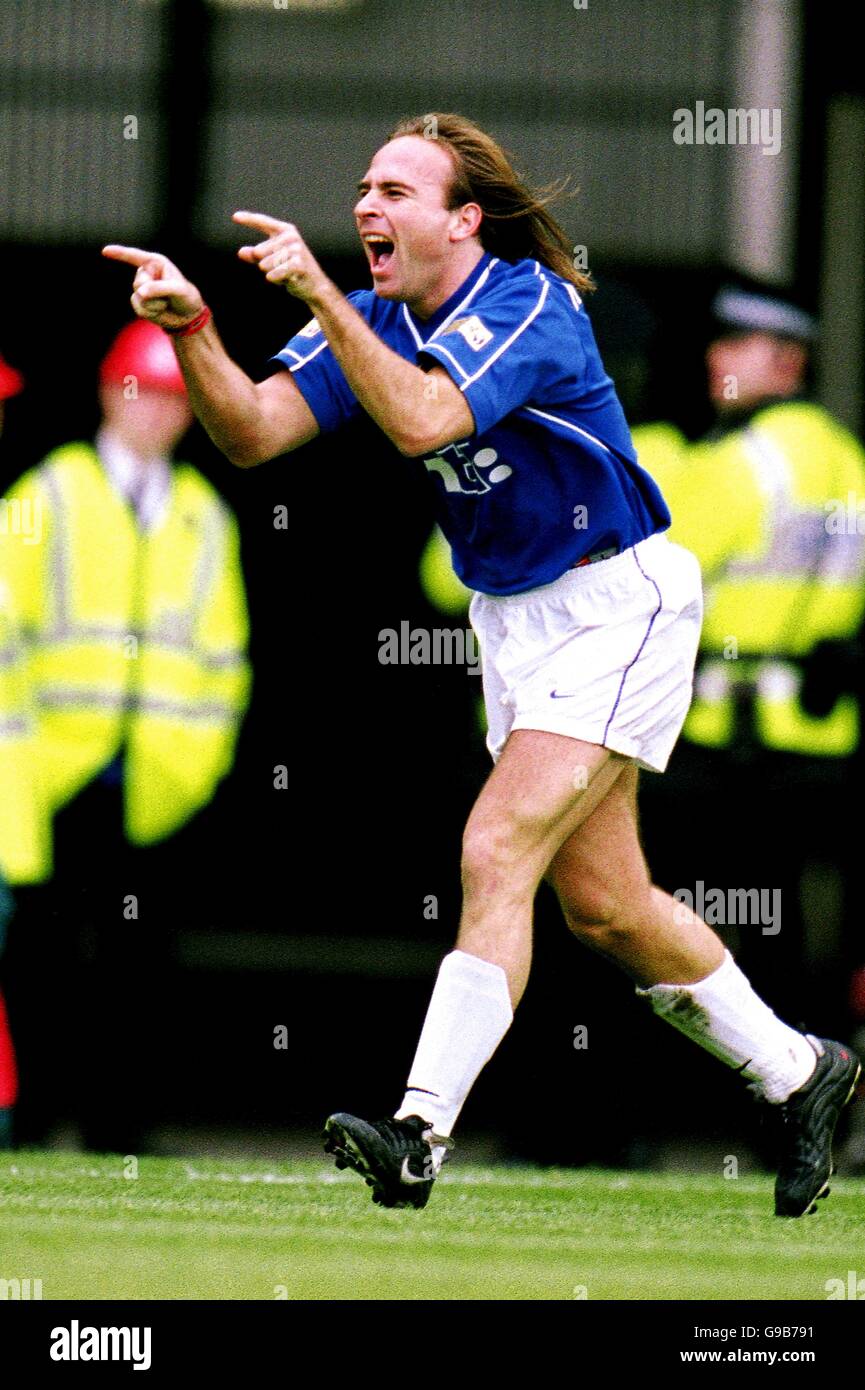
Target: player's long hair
x: 516, y: 222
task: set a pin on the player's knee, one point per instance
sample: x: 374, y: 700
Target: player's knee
x: 484, y: 855
x: 490, y: 857
x: 591, y: 912
x: 595, y: 911
x: 603, y: 919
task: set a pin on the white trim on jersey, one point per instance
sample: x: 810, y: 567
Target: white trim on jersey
x: 507, y: 343
x: 463, y: 302
x: 557, y: 420
x: 439, y: 348
x: 292, y: 352
x: 443, y: 325
x: 414, y: 333
x: 303, y: 361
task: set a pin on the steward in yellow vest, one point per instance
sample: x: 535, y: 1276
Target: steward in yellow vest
x: 767, y: 501
x: 125, y: 575
x: 131, y: 598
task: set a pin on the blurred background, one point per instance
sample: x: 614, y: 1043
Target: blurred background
x: 287, y: 934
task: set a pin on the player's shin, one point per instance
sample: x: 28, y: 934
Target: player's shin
x: 724, y: 1015
x: 468, y: 1015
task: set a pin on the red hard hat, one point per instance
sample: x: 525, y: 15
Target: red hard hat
x: 11, y: 382
x: 142, y: 350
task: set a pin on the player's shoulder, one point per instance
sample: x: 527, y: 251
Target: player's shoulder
x: 531, y: 283
x: 312, y: 333
x: 524, y: 309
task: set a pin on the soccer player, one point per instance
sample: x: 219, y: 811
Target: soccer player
x: 474, y: 354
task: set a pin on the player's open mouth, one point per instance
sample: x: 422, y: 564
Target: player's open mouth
x: 380, y: 250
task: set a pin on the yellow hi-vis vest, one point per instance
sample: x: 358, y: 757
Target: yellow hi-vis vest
x: 133, y: 636
x: 438, y: 579
x: 25, y: 834
x: 767, y: 510
x: 663, y: 451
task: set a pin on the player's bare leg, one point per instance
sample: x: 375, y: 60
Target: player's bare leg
x: 565, y: 809
x: 603, y: 885
x: 545, y: 788
x: 542, y: 788
x: 600, y: 877
x: 609, y: 902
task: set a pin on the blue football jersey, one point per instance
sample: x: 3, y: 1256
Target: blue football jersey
x: 550, y: 474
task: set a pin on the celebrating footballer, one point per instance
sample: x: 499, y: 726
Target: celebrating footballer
x: 474, y: 354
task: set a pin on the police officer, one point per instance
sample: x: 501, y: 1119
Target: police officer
x: 769, y: 743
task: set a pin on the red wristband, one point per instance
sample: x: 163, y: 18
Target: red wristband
x: 186, y: 329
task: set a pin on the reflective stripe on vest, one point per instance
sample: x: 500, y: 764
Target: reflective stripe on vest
x: 801, y: 545
x: 136, y: 640
x: 25, y: 843
x: 173, y: 632
x: 809, y: 583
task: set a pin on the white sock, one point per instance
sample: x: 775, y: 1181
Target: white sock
x: 723, y: 1014
x: 468, y: 1015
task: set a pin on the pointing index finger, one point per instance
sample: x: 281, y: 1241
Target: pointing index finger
x: 130, y: 254
x: 260, y: 221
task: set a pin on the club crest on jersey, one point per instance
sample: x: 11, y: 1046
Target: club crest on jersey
x: 310, y: 330
x: 476, y: 334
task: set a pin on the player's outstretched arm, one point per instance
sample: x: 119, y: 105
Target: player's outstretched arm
x: 250, y: 422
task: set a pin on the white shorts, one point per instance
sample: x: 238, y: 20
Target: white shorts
x: 606, y: 653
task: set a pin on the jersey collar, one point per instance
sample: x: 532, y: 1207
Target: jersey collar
x: 427, y: 327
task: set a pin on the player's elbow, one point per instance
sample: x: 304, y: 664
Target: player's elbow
x: 412, y: 444
x: 246, y: 450
x: 425, y: 437
x: 445, y: 418
x: 241, y: 455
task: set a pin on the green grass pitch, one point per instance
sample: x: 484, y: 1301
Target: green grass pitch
x: 214, y: 1229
